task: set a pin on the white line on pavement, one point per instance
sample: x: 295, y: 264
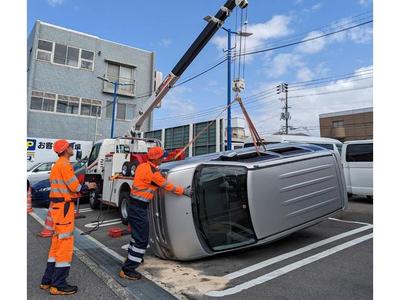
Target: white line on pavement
x: 85, y: 210
x: 279, y: 258
x: 288, y: 268
x: 102, y: 224
x: 347, y: 221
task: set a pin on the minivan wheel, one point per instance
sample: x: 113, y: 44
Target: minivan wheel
x: 126, y: 170
x: 93, y: 199
x: 123, y: 207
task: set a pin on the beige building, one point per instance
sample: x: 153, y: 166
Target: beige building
x: 356, y: 124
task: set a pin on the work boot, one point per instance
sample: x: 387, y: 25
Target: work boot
x: 65, y: 290
x: 45, y: 286
x: 130, y: 275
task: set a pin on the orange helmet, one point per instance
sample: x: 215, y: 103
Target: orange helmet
x: 155, y: 153
x: 60, y: 146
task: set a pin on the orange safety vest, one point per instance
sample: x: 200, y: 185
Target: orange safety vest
x: 63, y: 182
x: 147, y: 180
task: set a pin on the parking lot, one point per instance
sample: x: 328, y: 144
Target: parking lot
x: 331, y: 260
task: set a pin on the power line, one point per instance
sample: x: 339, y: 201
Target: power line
x: 327, y: 26
x: 306, y: 40
x: 260, y: 96
x: 270, y: 49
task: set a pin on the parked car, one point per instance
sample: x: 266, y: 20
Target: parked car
x: 242, y: 199
x: 39, y: 172
x: 327, y: 143
x: 41, y: 189
x: 357, y: 159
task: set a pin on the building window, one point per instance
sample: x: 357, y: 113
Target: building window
x: 65, y: 55
x: 123, y: 111
x: 60, y: 54
x: 90, y: 107
x: 122, y: 74
x: 67, y: 104
x: 87, y: 58
x: 337, y: 124
x: 72, y: 57
x: 42, y: 101
x: 44, y: 50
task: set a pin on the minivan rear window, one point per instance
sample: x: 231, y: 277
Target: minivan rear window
x: 359, y: 152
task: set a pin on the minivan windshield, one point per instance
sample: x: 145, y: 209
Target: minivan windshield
x: 222, y: 207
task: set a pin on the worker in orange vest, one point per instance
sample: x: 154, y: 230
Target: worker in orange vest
x: 64, y: 188
x: 145, y: 184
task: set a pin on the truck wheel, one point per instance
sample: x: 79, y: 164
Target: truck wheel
x: 123, y: 207
x: 94, y: 199
x: 133, y: 167
x: 126, y: 170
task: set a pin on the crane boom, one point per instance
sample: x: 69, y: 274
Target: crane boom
x: 211, y: 28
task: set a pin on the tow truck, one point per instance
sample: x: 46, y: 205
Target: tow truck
x: 112, y: 162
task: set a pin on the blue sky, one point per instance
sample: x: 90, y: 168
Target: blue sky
x: 169, y: 27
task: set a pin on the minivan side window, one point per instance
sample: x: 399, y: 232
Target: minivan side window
x: 94, y: 154
x: 359, y: 153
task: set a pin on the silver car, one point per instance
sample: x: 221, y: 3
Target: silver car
x: 241, y: 199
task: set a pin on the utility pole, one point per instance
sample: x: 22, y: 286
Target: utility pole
x: 283, y: 88
x: 229, y: 84
x: 115, y: 84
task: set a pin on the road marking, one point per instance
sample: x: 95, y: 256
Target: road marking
x: 288, y: 268
x: 103, y: 223
x: 85, y: 210
x: 347, y: 221
x: 279, y: 258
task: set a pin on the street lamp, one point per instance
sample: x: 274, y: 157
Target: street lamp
x: 229, y: 87
x: 115, y: 84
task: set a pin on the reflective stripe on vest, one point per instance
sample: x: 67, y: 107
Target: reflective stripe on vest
x: 65, y: 235
x: 63, y: 264
x: 140, y: 198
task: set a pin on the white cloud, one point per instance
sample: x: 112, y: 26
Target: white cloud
x: 316, y: 6
x: 166, y: 42
x: 313, y: 46
x: 276, y: 27
x: 55, y: 2
x: 281, y: 63
x: 178, y: 102
x: 364, y: 2
x: 305, y: 110
x: 305, y: 74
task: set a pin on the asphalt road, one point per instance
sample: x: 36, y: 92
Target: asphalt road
x: 339, y: 269
x: 344, y: 274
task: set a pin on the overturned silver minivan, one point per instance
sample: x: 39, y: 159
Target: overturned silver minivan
x: 241, y: 199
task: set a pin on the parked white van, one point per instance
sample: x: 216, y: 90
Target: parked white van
x: 326, y: 143
x: 357, y: 160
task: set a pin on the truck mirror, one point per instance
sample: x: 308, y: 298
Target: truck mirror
x: 78, y: 154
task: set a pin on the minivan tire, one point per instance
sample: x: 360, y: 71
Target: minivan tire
x: 123, y: 207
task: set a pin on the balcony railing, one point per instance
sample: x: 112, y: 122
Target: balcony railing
x: 126, y: 87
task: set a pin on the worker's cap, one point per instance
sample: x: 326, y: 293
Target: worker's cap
x: 155, y: 153
x: 60, y: 146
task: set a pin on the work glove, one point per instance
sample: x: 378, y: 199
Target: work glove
x: 188, y: 191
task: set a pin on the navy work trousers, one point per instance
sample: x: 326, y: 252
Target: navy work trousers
x: 139, y: 221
